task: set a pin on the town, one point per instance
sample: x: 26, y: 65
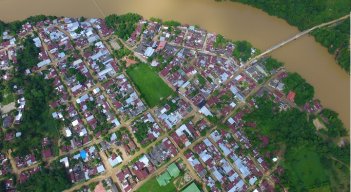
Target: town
x: 141, y: 105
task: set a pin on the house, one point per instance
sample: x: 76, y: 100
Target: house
x: 149, y: 52
x: 192, y: 188
x: 7, y: 121
x: 114, y: 160
x: 46, y: 153
x: 291, y: 96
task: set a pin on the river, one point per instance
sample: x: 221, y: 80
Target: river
x: 233, y: 20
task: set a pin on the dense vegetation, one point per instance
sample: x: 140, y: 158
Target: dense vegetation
x: 335, y: 127
x: 336, y: 39
x: 304, y: 91
x: 309, y: 161
x: 48, y: 179
x: 242, y: 50
x: 220, y: 41
x: 15, y: 26
x: 272, y: 64
x: 79, y: 76
x: 2, y: 27
x: 124, y: 25
x: 27, y: 58
x: 305, y: 14
x: 142, y: 129
x: 37, y: 121
x: 151, y: 87
x: 171, y: 23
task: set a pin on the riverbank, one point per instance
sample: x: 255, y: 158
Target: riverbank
x: 233, y: 20
x: 311, y: 13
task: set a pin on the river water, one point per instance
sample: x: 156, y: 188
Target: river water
x: 233, y: 20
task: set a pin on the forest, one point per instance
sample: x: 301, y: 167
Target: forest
x: 310, y: 160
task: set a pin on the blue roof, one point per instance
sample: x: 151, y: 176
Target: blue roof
x: 83, y: 154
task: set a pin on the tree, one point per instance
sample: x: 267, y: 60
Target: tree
x: 272, y: 64
x: 334, y: 124
x: 3, y: 26
x: 171, y: 23
x: 52, y: 179
x: 242, y: 50
x: 220, y: 41
x: 304, y: 91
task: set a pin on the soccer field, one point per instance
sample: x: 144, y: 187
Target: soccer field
x: 151, y: 87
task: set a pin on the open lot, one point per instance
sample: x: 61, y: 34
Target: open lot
x: 151, y: 87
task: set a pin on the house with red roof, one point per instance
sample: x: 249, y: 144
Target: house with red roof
x: 291, y: 96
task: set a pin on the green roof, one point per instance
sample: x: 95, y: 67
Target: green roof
x: 173, y: 170
x: 192, y: 188
x: 163, y: 179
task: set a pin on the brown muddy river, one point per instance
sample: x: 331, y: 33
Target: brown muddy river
x: 233, y: 20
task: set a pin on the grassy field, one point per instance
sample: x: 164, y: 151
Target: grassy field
x: 151, y: 87
x: 152, y: 185
x: 305, y: 169
x: 8, y: 97
x: 339, y: 177
x: 320, y: 189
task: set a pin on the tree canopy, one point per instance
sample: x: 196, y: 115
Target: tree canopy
x: 52, y: 179
x: 272, y: 64
x: 242, y: 50
x: 304, y: 91
x: 37, y: 121
x: 124, y: 25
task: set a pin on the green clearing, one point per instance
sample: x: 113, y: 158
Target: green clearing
x: 152, y: 185
x: 151, y: 87
x: 339, y: 176
x: 7, y: 98
x: 305, y: 169
x: 320, y: 189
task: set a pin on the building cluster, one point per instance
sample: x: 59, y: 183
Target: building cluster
x: 172, y: 112
x: 84, y: 164
x: 123, y: 97
x: 146, y: 128
x: 189, y: 132
x: 107, y: 125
